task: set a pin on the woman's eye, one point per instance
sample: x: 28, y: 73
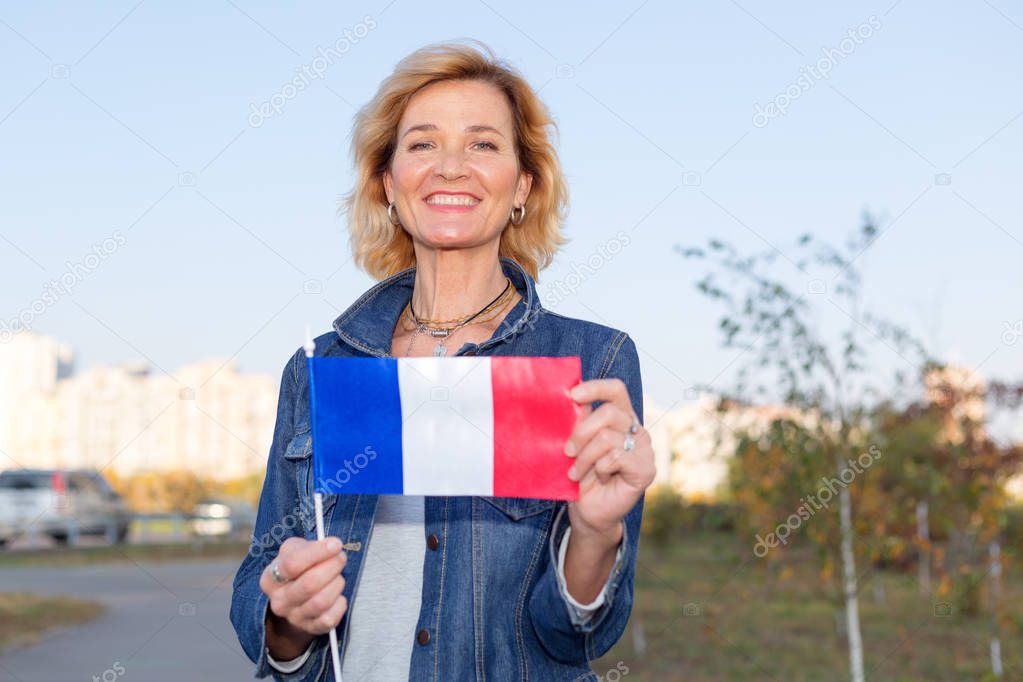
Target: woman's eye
x: 423, y: 145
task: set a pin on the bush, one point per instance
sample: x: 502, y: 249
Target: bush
x: 1012, y: 526
x: 666, y: 515
x: 662, y: 514
x: 966, y: 593
x: 716, y: 517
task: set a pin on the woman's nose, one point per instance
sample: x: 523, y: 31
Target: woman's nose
x: 451, y: 164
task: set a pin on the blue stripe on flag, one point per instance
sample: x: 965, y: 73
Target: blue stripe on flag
x: 356, y: 424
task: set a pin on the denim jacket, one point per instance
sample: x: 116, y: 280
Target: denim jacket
x: 491, y: 602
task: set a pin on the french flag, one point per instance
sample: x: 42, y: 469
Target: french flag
x: 487, y: 426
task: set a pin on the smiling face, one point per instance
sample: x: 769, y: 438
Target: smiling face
x: 455, y: 175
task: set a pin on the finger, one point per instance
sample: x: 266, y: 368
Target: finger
x: 609, y: 465
x: 608, y: 416
x: 267, y: 584
x: 295, y: 562
x: 321, y: 602
x: 606, y: 390
x: 315, y: 578
x: 587, y: 482
x: 603, y: 441
x: 329, y: 619
x: 292, y: 543
x: 266, y: 580
x: 640, y: 468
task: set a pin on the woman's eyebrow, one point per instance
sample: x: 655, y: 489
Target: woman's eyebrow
x: 469, y: 129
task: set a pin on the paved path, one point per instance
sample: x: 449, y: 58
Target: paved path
x: 164, y: 621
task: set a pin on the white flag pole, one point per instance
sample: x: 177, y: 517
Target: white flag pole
x: 335, y: 655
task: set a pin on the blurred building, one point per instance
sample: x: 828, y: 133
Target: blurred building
x: 29, y: 364
x: 694, y: 442
x: 207, y: 418
x: 961, y: 393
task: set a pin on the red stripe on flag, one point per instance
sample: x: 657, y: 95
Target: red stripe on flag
x: 533, y: 418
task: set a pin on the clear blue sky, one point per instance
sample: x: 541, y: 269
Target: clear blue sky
x: 135, y: 117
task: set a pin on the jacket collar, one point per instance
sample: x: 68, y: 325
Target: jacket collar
x: 368, y: 324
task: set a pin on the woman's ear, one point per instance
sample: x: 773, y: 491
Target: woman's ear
x: 524, y: 187
x: 388, y: 186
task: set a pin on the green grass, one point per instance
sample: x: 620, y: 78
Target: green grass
x: 74, y: 556
x: 709, y: 610
x: 23, y: 617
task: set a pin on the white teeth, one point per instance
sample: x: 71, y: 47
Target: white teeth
x: 452, y: 200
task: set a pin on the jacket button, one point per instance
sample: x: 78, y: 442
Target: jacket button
x: 423, y: 637
x: 433, y: 543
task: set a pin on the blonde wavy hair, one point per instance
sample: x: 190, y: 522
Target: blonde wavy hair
x: 381, y: 248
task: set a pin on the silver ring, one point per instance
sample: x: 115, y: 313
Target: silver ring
x: 630, y: 442
x: 275, y: 573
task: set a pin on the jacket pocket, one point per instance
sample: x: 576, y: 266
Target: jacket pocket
x: 299, y: 447
x: 518, y: 508
x: 299, y: 456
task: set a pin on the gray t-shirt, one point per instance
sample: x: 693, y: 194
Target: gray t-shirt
x: 385, y: 611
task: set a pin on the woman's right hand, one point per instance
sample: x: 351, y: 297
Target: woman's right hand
x: 309, y: 602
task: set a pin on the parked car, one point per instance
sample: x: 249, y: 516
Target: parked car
x: 7, y: 527
x: 223, y: 518
x: 60, y: 503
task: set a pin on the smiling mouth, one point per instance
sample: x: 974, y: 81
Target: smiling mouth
x: 451, y: 200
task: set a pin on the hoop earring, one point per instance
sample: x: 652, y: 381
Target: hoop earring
x: 522, y: 216
x: 391, y: 216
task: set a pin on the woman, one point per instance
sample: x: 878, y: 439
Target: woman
x: 457, y: 207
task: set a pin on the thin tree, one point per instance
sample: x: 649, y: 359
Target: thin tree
x: 828, y: 378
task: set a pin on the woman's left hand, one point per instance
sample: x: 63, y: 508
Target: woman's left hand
x: 611, y: 479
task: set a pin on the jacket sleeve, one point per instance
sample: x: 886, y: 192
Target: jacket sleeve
x: 549, y: 609
x: 278, y: 518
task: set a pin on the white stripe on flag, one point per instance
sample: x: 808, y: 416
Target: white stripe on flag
x: 447, y: 412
